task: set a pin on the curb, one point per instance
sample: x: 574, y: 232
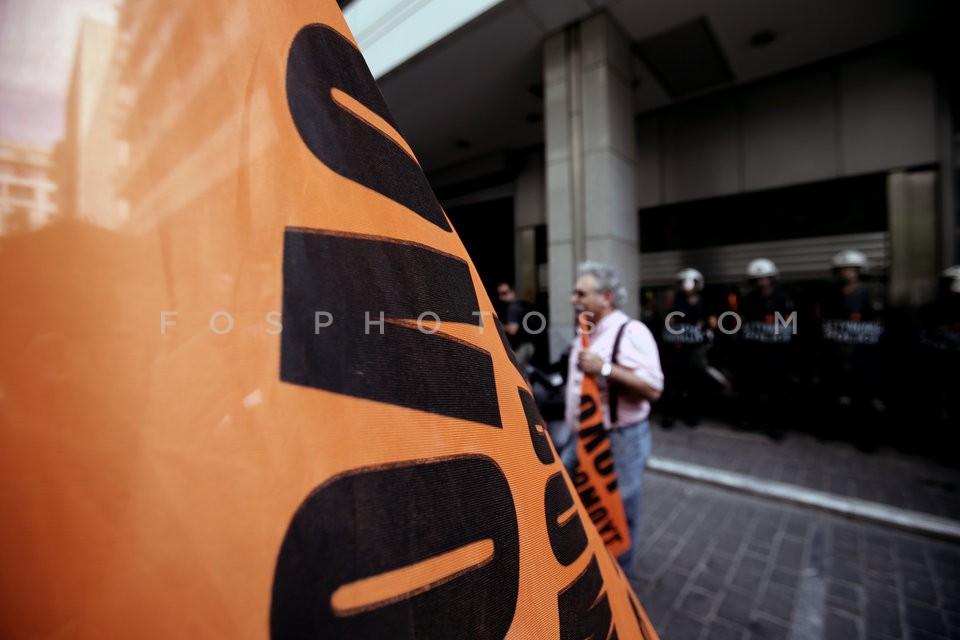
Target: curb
x: 912, y: 521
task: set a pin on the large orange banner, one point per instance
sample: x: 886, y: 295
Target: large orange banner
x: 595, y: 477
x: 270, y: 398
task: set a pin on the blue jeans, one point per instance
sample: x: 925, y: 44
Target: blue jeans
x: 630, y: 445
x: 631, y: 449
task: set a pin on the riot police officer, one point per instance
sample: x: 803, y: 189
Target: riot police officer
x: 940, y: 351
x: 763, y: 350
x: 685, y: 339
x: 851, y: 331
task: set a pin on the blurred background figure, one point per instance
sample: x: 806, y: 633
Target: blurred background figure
x: 763, y: 354
x: 685, y: 339
x: 851, y: 319
x: 513, y: 325
x: 939, y: 342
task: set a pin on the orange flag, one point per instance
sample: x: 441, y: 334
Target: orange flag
x: 254, y: 388
x: 595, y: 477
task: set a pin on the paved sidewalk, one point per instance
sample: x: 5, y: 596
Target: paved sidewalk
x: 886, y: 476
x: 719, y: 563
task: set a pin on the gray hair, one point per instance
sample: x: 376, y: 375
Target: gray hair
x: 608, y: 279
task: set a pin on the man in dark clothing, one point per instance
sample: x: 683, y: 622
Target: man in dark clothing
x: 852, y: 328
x: 515, y: 325
x: 939, y: 342
x: 769, y: 323
x: 685, y: 338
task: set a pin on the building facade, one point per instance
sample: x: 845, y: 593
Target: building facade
x: 27, y: 190
x: 663, y: 135
x: 650, y: 135
x: 93, y: 153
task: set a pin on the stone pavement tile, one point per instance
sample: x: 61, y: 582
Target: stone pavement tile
x: 735, y: 607
x: 925, y: 619
x: 764, y: 628
x: 843, y: 569
x: 711, y: 575
x: 785, y: 578
x: 790, y: 555
x: 840, y: 627
x: 918, y: 586
x: 657, y: 605
x: 844, y: 599
x: 698, y: 603
x: 760, y: 547
x: 681, y: 625
x: 778, y: 601
x: 883, y: 620
x: 797, y: 526
x: 723, y: 631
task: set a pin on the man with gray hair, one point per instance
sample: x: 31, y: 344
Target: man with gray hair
x: 624, y: 360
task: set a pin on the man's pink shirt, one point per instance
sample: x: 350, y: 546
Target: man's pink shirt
x: 638, y: 352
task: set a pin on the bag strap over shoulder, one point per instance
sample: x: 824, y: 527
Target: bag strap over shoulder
x: 612, y: 395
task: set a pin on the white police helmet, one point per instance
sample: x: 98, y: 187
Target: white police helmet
x: 690, y: 279
x: 952, y: 275
x: 762, y: 268
x: 850, y: 258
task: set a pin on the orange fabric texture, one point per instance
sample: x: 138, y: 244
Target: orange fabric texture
x: 275, y: 400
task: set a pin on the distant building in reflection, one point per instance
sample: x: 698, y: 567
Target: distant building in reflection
x: 92, y: 153
x: 27, y: 188
x: 151, y: 129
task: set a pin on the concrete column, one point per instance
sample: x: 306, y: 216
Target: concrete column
x: 590, y: 163
x: 530, y: 210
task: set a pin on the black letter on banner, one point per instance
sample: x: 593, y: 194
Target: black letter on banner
x: 348, y: 276
x: 588, y: 496
x: 321, y: 60
x: 587, y: 408
x: 593, y: 436
x: 568, y: 540
x: 369, y: 524
x: 584, y: 611
x: 603, y: 463
x: 541, y: 441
